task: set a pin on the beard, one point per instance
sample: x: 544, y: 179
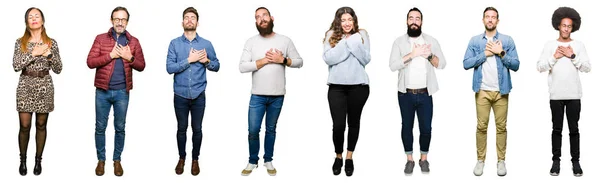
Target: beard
x: 413, y: 32
x: 265, y: 31
x: 490, y: 28
x: 189, y: 28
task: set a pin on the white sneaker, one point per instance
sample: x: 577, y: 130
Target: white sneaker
x: 246, y: 171
x: 501, y: 168
x: 270, y: 169
x: 479, y: 168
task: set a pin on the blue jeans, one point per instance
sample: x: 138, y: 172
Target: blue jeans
x: 422, y: 104
x: 105, y: 99
x: 183, y: 108
x: 259, y: 105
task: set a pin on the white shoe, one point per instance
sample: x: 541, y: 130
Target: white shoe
x: 501, y: 168
x: 270, y: 169
x: 246, y: 171
x: 479, y: 168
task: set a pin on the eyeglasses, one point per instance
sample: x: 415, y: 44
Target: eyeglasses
x: 117, y: 20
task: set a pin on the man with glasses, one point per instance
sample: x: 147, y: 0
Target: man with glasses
x: 563, y: 58
x: 113, y: 55
x: 188, y: 59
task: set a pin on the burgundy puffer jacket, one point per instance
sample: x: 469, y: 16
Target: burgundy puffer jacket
x: 99, y: 59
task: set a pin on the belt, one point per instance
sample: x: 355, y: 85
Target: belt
x: 416, y: 91
x: 39, y: 74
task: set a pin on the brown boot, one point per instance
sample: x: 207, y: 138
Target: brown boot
x: 118, y: 168
x: 100, y: 168
x: 195, y: 168
x: 179, y: 167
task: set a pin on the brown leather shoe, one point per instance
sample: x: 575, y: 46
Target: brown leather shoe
x: 100, y: 168
x: 179, y: 167
x: 195, y: 168
x: 118, y: 168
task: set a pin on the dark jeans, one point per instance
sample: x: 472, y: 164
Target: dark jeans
x: 573, y: 107
x: 183, y: 108
x: 422, y: 104
x: 346, y: 100
x: 261, y: 106
x: 105, y: 99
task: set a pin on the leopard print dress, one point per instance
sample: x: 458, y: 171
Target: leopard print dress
x: 35, y: 94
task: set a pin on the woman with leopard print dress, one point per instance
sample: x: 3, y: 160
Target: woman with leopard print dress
x: 34, y: 55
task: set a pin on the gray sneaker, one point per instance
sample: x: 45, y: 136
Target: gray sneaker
x: 408, y: 168
x: 501, y: 168
x: 424, y: 164
x: 478, y: 170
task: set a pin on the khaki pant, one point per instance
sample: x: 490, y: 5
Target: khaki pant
x: 486, y: 100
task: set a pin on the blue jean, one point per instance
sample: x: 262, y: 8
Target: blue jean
x: 183, y: 108
x: 105, y: 99
x: 422, y: 104
x: 259, y: 105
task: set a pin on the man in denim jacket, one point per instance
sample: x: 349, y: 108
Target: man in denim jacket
x: 492, y: 55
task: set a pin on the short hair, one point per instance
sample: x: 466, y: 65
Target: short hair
x: 566, y: 12
x: 190, y: 10
x: 262, y: 8
x: 414, y: 9
x: 119, y: 8
x: 491, y: 9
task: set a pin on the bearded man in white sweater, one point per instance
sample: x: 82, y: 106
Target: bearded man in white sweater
x: 564, y: 58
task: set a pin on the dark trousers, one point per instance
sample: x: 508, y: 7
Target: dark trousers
x: 420, y: 104
x: 183, y: 108
x: 573, y: 108
x: 346, y: 100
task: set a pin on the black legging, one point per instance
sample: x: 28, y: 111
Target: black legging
x: 40, y: 135
x: 346, y: 100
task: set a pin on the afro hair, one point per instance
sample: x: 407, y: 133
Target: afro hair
x: 566, y: 12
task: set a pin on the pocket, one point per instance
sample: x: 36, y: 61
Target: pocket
x: 400, y: 94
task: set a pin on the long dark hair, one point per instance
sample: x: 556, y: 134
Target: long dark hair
x: 336, y: 25
x: 27, y: 34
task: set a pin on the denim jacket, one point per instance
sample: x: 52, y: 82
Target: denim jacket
x: 475, y: 57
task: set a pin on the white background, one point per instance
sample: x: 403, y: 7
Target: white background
x: 304, y: 150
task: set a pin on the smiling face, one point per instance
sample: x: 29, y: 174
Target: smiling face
x: 264, y: 22
x: 35, y: 19
x: 119, y: 21
x: 347, y: 23
x: 413, y: 23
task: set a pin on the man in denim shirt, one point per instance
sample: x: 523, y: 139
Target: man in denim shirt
x: 492, y: 55
x: 188, y: 58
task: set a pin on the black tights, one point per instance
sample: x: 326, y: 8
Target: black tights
x: 40, y: 135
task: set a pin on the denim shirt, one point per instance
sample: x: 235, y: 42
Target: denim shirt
x: 475, y: 57
x: 189, y: 80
